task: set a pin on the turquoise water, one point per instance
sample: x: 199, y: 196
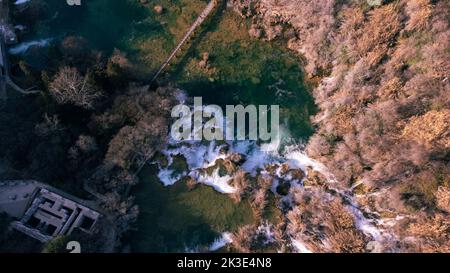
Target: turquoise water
x: 243, y: 71
x: 105, y: 24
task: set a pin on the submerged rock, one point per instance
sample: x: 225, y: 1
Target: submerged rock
x: 179, y: 164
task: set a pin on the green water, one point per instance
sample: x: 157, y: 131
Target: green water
x: 176, y: 217
x: 105, y: 24
x: 242, y: 71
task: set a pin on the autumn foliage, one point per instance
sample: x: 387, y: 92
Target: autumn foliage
x: 383, y: 94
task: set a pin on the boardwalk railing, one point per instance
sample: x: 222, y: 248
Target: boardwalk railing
x: 209, y: 8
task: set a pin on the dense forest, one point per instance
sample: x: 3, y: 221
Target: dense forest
x: 381, y: 72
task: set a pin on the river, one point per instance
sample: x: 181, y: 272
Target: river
x: 242, y: 70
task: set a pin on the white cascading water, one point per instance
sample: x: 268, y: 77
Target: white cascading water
x: 201, y: 155
x: 25, y: 46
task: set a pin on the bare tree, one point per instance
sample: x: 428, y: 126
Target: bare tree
x: 241, y: 184
x: 69, y: 86
x: 430, y: 232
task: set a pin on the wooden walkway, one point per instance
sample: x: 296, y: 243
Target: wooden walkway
x: 209, y: 8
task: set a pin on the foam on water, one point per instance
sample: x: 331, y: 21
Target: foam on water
x: 299, y: 246
x: 200, y: 155
x: 225, y: 239
x: 168, y: 178
x: 20, y: 2
x: 23, y: 47
x: 219, y: 183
